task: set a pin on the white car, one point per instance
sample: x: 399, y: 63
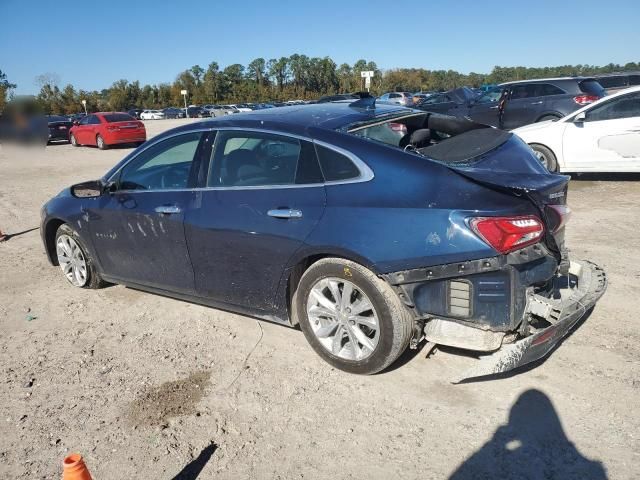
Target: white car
x: 239, y: 109
x: 152, y: 115
x: 601, y: 137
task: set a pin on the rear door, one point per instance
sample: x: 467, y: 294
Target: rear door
x: 608, y: 139
x: 524, y: 106
x: 264, y: 195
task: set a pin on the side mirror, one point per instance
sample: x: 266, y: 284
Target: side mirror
x: 91, y: 189
x: 579, y: 118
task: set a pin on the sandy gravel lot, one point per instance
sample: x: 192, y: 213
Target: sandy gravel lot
x: 149, y: 387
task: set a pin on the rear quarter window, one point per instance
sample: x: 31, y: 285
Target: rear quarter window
x: 118, y: 117
x: 335, y: 166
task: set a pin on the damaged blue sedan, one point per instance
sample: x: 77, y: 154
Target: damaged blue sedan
x: 372, y: 227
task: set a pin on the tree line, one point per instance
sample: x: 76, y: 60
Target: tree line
x: 285, y: 78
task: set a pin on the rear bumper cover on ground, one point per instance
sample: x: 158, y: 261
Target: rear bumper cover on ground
x: 584, y: 285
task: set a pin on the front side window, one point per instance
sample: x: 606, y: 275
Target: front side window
x: 625, y: 106
x: 84, y: 121
x: 251, y: 159
x: 93, y: 120
x: 163, y: 166
x: 490, y: 96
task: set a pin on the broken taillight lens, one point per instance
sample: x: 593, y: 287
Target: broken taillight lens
x: 507, y: 234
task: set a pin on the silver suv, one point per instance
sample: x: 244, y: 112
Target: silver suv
x: 400, y: 98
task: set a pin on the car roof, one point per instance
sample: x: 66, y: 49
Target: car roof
x: 330, y: 116
x: 544, y: 80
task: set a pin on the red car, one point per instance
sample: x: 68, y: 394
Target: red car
x: 103, y: 129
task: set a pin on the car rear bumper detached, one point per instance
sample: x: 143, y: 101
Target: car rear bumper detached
x: 491, y: 305
x: 577, y: 293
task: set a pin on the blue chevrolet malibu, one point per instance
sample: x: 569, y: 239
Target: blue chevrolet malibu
x: 372, y: 227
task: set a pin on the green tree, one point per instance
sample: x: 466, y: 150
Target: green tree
x: 5, y: 89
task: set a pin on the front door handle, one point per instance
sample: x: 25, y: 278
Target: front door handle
x: 536, y: 103
x: 168, y: 209
x: 284, y: 213
x: 493, y: 108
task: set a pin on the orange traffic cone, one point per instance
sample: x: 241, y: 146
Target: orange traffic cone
x: 73, y: 468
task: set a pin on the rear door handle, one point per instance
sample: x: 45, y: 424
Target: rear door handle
x: 284, y: 213
x: 536, y: 103
x: 168, y: 209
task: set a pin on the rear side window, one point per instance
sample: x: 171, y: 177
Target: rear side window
x: 336, y: 166
x: 634, y: 80
x: 251, y: 159
x: 548, y: 89
x: 118, y: 117
x: 615, y: 81
x: 592, y: 87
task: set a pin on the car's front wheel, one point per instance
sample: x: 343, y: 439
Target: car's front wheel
x: 351, y: 318
x: 76, y: 263
x: 72, y: 139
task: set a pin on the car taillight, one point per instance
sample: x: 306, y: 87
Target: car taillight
x: 398, y: 127
x: 507, y: 234
x: 140, y: 125
x: 561, y: 214
x: 585, y: 99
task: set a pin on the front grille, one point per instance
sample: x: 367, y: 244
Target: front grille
x: 459, y: 298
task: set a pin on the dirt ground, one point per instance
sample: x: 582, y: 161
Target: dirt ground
x: 149, y: 387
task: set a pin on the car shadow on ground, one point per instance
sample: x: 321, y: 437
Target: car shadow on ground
x: 193, y: 468
x: 532, y: 445
x: 516, y: 371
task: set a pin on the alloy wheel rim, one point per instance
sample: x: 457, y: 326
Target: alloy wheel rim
x: 73, y: 140
x: 71, y: 260
x: 542, y: 158
x: 100, y: 142
x: 343, y: 319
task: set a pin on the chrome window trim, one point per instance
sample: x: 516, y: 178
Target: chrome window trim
x: 366, y: 174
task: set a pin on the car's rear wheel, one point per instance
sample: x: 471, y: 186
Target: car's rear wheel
x: 73, y: 140
x: 101, y: 143
x: 77, y: 265
x: 351, y: 318
x: 545, y: 156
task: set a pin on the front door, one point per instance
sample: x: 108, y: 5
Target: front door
x: 608, y: 139
x: 138, y: 229
x: 486, y: 109
x: 263, y: 198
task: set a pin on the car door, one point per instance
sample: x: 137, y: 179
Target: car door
x: 609, y: 137
x: 485, y: 108
x: 523, y: 106
x: 81, y: 132
x: 138, y: 229
x: 264, y: 195
x: 438, y: 103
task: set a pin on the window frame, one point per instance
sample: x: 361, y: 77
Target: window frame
x: 608, y: 104
x: 366, y: 174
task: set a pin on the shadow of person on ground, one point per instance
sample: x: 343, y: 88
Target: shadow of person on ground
x: 532, y: 446
x: 8, y: 236
x: 193, y: 468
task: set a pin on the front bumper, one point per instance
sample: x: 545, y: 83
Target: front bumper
x: 575, y: 295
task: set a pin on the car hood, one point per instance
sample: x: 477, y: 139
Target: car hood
x: 533, y: 127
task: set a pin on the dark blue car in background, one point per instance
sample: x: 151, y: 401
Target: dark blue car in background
x: 373, y: 227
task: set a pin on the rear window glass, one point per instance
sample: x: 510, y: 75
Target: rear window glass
x: 118, y: 117
x: 336, y: 166
x: 592, y: 87
x: 613, y: 82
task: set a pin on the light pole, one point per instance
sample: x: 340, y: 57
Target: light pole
x: 186, y: 110
x: 84, y: 104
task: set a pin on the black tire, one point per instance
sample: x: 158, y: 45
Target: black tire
x: 394, y: 317
x: 102, y: 145
x: 73, y: 140
x: 548, y: 117
x: 546, y: 156
x: 94, y: 280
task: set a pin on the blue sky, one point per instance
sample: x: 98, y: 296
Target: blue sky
x: 91, y: 44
